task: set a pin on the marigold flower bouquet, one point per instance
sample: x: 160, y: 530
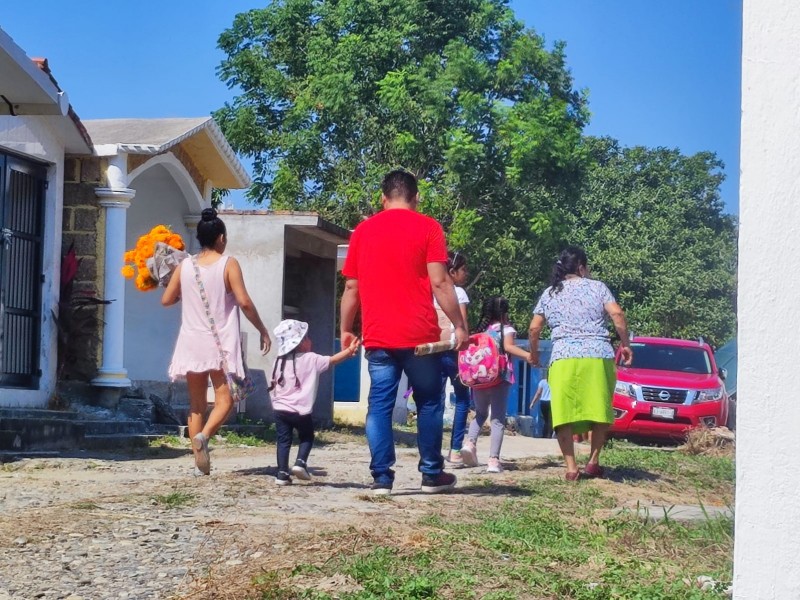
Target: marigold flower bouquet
x: 156, y: 255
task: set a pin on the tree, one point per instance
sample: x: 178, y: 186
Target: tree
x: 652, y: 223
x: 332, y: 94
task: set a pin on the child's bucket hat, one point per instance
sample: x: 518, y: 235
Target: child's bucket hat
x: 289, y: 334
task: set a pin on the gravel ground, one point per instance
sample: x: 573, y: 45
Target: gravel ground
x: 141, y: 526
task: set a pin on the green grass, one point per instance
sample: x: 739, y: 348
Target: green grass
x: 236, y: 439
x: 173, y: 441
x: 174, y: 499
x: 556, y: 540
x: 698, y: 471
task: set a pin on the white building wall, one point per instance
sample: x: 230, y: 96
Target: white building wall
x: 150, y: 329
x: 767, y: 492
x: 257, y: 242
x: 31, y: 136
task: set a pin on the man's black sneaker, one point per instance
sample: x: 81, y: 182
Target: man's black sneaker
x: 381, y: 489
x: 436, y: 484
x: 282, y: 478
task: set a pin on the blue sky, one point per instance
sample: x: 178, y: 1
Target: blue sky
x: 659, y: 72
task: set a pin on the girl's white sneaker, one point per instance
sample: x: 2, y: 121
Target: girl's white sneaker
x: 494, y: 466
x: 469, y: 454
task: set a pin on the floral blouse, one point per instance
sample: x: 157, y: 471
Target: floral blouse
x: 577, y: 318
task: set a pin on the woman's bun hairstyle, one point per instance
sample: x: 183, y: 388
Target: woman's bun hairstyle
x: 209, y: 228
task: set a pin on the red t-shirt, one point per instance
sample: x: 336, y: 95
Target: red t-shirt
x: 389, y: 255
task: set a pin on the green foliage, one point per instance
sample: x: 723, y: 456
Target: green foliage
x: 331, y: 95
x: 652, y: 223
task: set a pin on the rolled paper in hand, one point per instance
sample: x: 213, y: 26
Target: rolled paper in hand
x: 433, y: 348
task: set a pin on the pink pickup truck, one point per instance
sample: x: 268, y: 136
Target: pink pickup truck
x: 671, y: 387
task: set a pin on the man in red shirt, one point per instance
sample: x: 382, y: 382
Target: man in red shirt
x: 395, y: 264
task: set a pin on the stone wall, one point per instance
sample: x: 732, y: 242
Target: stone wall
x: 83, y: 226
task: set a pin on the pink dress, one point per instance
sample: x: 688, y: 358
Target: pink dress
x: 196, y: 351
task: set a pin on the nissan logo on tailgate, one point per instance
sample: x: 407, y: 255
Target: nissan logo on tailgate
x: 664, y: 395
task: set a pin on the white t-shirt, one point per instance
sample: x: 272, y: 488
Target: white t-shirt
x: 448, y: 331
x: 460, y: 294
x: 545, y: 387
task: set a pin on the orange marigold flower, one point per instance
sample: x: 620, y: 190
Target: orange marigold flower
x: 175, y: 241
x: 136, y: 259
x: 145, y: 282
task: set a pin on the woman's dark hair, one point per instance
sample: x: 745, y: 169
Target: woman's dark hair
x: 282, y: 362
x: 569, y: 262
x: 455, y: 260
x: 209, y: 228
x: 494, y: 310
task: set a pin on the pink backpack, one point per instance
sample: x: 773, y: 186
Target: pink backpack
x: 482, y: 364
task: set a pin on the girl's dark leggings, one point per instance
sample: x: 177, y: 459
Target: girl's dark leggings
x: 285, y: 424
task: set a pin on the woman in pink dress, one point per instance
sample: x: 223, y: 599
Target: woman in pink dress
x: 197, y: 355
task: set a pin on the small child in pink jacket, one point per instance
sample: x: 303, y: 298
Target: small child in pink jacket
x: 294, y: 391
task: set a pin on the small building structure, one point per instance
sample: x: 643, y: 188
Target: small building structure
x: 289, y: 260
x: 38, y: 127
x: 95, y: 187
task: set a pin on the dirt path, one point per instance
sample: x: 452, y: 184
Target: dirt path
x: 107, y: 526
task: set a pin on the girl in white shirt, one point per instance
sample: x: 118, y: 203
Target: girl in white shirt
x: 457, y: 270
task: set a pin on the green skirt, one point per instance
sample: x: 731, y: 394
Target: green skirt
x: 581, y: 392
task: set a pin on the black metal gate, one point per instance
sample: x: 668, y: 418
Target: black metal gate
x: 22, y: 198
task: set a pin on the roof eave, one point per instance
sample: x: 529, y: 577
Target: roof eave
x: 217, y: 138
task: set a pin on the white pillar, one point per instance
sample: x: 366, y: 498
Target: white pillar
x: 767, y: 546
x: 192, y: 245
x: 115, y: 201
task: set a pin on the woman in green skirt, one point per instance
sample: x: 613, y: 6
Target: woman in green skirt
x: 582, y: 371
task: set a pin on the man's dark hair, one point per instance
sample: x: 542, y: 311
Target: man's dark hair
x: 400, y: 183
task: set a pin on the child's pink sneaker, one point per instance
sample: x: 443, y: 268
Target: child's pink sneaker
x: 494, y: 466
x: 469, y: 454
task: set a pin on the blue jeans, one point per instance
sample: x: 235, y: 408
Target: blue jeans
x: 425, y: 376
x: 450, y: 371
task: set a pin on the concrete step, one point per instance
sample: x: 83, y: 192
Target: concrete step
x: 11, y: 456
x: 39, y: 434
x: 118, y: 441
x: 108, y: 427
x: 36, y: 413
x: 160, y: 428
x: 23, y: 430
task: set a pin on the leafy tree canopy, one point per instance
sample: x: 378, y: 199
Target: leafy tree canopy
x: 652, y: 224
x: 332, y: 94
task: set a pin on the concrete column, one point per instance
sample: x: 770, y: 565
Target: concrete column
x: 115, y: 201
x: 767, y: 509
x: 192, y: 245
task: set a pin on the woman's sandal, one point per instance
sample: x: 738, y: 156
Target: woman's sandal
x: 594, y: 470
x: 572, y: 475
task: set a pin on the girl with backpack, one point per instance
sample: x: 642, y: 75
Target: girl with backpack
x: 492, y: 395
